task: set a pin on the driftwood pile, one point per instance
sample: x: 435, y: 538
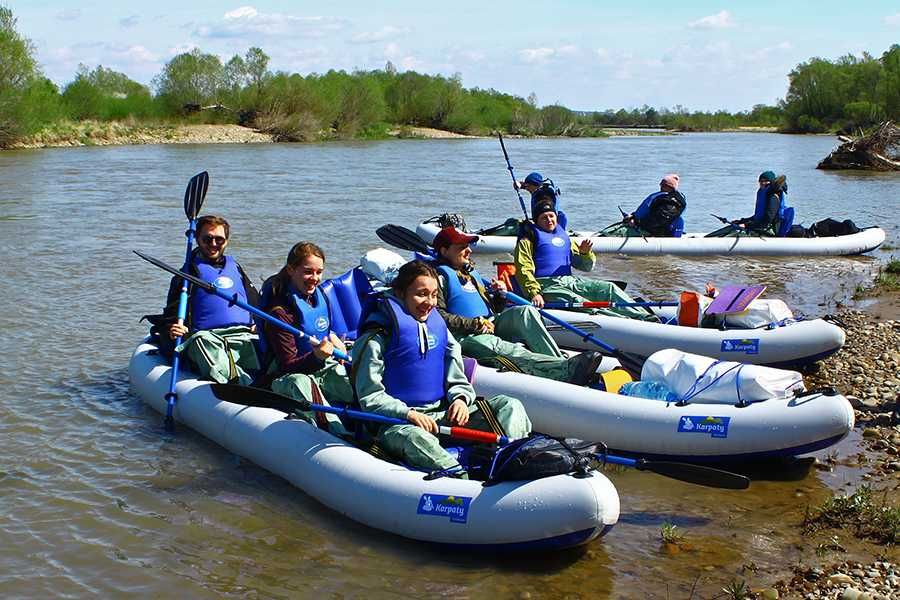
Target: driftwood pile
x: 878, y: 151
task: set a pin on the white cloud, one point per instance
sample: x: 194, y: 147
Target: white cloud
x: 129, y: 21
x: 720, y: 20
x: 180, y: 49
x: 893, y: 20
x: 239, y: 13
x: 135, y: 54
x: 385, y: 33
x: 544, y: 54
x: 69, y: 14
x: 246, y: 21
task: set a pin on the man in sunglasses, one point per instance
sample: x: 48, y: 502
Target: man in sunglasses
x: 216, y: 337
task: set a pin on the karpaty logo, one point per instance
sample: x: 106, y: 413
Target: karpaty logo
x: 749, y: 346
x: 716, y: 427
x: 223, y: 283
x: 454, y: 507
x: 432, y: 341
x: 557, y: 241
x: 322, y: 324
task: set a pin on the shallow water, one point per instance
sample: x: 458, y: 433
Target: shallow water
x: 97, y: 500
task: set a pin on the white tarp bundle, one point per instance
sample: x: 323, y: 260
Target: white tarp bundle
x: 702, y: 379
x: 382, y: 264
x: 760, y: 313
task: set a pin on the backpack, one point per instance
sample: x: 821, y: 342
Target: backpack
x: 540, y: 456
x: 832, y: 228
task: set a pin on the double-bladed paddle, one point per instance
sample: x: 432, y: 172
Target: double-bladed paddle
x: 235, y: 300
x: 509, y: 168
x: 733, y: 226
x: 193, y: 201
x: 262, y: 398
x: 406, y: 239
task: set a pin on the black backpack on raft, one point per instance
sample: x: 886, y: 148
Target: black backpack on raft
x: 534, y: 457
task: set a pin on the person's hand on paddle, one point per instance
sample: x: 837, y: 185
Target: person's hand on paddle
x: 326, y: 347
x: 486, y: 326
x: 538, y: 301
x: 177, y: 330
x: 458, y: 413
x: 499, y: 287
x: 585, y: 246
x: 422, y: 420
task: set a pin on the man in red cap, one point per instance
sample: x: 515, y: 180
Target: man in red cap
x: 489, y: 332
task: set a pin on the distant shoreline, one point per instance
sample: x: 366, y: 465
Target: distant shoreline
x: 93, y: 133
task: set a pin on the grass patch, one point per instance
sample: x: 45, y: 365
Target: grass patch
x: 859, y: 512
x: 669, y: 534
x: 738, y: 590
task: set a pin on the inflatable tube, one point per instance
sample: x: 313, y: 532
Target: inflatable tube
x: 792, y: 344
x: 695, y: 244
x: 695, y: 432
x: 551, y: 513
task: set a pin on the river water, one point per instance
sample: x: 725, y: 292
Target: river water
x: 96, y: 499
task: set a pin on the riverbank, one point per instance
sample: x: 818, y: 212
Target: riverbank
x: 119, y: 133
x: 862, y: 523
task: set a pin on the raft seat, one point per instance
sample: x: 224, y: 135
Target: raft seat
x: 346, y: 296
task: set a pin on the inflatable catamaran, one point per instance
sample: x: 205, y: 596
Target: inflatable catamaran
x: 695, y: 244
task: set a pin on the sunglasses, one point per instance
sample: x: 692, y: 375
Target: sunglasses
x: 209, y: 239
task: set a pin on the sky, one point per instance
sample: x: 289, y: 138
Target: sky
x: 584, y: 54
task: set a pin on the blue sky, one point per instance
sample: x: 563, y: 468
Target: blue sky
x: 584, y: 54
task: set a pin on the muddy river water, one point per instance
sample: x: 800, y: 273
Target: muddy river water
x: 96, y: 500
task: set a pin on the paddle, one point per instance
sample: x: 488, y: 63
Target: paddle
x: 233, y: 299
x: 193, y: 200
x: 262, y: 398
x: 733, y: 226
x: 509, y: 167
x: 607, y: 304
x: 626, y: 219
x: 259, y: 397
x: 403, y: 238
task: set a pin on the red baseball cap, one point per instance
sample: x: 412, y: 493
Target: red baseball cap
x: 449, y: 236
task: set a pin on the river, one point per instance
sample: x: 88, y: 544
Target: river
x: 97, y: 500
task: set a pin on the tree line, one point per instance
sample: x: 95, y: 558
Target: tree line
x: 197, y: 87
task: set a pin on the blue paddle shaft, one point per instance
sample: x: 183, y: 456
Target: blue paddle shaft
x: 233, y: 299
x: 583, y: 334
x: 172, y: 397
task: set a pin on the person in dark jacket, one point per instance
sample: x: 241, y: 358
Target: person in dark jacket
x: 769, y: 210
x: 657, y: 216
x: 218, y: 338
x: 304, y: 368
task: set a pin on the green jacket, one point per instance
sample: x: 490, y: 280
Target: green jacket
x: 524, y: 261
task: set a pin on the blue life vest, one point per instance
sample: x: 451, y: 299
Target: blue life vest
x: 209, y: 311
x: 762, y: 196
x: 464, y: 300
x: 644, y: 209
x: 414, y: 363
x: 552, y: 252
x: 313, y: 320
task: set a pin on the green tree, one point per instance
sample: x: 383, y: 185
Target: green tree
x: 106, y: 94
x: 191, y: 78
x: 257, y: 63
x: 18, y: 73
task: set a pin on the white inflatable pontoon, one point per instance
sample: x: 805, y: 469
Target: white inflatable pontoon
x: 695, y: 432
x: 695, y: 244
x: 544, y: 514
x: 788, y: 344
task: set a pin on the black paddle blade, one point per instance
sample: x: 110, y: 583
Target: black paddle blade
x: 254, y: 396
x: 155, y: 261
x: 697, y: 474
x: 195, y: 194
x: 403, y: 238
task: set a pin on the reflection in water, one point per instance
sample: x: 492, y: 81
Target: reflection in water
x: 98, y: 500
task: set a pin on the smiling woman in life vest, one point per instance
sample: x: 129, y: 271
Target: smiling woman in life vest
x: 407, y: 364
x: 299, y: 368
x: 545, y: 256
x: 220, y: 336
